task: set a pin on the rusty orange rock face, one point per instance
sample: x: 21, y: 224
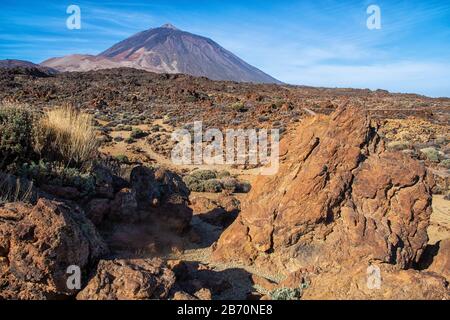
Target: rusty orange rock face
x: 339, y: 197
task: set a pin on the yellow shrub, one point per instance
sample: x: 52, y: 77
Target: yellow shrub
x: 66, y: 134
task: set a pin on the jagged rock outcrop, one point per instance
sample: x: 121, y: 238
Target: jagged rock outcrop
x: 129, y: 280
x: 38, y: 244
x: 338, y: 198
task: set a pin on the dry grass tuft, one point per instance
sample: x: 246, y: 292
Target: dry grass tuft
x: 67, y: 134
x: 12, y: 189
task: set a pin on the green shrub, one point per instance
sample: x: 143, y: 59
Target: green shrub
x: 194, y: 184
x: 204, y: 174
x: 138, y: 133
x: 230, y: 184
x: 56, y: 174
x: 130, y: 140
x: 286, y: 294
x: 122, y: 158
x: 239, y: 107
x: 445, y: 163
x: 431, y: 153
x: 16, y: 135
x: 213, y: 186
x: 398, y: 145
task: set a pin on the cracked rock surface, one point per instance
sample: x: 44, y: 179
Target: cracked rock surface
x: 339, y: 198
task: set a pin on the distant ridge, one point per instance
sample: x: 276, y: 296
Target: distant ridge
x: 12, y: 63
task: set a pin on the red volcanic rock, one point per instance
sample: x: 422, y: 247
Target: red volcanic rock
x: 441, y: 262
x: 338, y: 198
x: 129, y: 280
x: 353, y: 283
x: 38, y: 244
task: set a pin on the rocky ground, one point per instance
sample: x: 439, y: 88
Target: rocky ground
x: 359, y: 186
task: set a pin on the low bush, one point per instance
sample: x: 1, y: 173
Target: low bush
x: 445, y: 163
x: 213, y: 186
x: 398, y: 145
x: 230, y: 184
x: 286, y: 294
x: 239, y: 107
x: 16, y: 135
x: 51, y: 173
x: 431, y: 154
x: 138, y: 134
x: 194, y: 184
x: 211, y: 181
x: 204, y: 174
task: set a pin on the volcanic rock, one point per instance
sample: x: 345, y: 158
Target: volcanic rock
x: 339, y: 197
x: 441, y: 262
x: 38, y: 244
x: 129, y: 280
x: 163, y: 196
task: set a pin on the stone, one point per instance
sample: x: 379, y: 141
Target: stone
x: 124, y: 207
x: 339, y: 198
x: 97, y: 209
x: 162, y: 196
x: 38, y: 244
x: 203, y: 294
x: 441, y: 261
x: 138, y: 279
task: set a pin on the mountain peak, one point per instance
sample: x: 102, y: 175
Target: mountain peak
x: 169, y: 26
x: 168, y: 50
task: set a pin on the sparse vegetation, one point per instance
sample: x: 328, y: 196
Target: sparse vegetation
x: 67, y: 135
x: 13, y: 189
x: 286, y: 294
x: 16, y: 135
x: 55, y: 174
x: 137, y: 133
x: 431, y: 154
x: 122, y: 159
x: 239, y: 107
x: 214, y: 182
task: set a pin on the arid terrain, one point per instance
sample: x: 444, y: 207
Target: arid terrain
x: 363, y: 181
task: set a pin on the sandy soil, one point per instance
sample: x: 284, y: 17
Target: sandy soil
x: 440, y: 220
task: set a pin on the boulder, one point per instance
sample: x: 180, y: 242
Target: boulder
x: 221, y: 212
x: 339, y: 197
x: 38, y: 244
x: 162, y: 196
x: 104, y: 182
x: 124, y: 207
x: 355, y: 283
x: 441, y: 261
x: 97, y: 209
x: 129, y: 280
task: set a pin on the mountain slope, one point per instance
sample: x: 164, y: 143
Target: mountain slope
x: 167, y: 50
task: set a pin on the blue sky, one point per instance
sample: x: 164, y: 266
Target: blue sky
x: 319, y: 43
